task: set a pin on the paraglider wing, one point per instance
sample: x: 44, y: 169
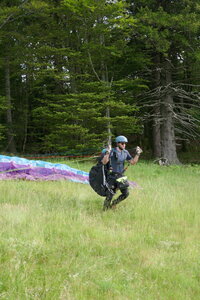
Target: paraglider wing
x: 21, y: 168
x: 13, y: 167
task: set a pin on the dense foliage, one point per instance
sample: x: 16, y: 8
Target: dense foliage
x: 73, y: 71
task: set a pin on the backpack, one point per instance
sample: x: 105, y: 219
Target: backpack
x: 97, y: 179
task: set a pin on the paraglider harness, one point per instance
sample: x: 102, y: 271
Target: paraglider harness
x: 100, y: 174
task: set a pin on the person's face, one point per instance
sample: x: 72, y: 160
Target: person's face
x: 122, y: 145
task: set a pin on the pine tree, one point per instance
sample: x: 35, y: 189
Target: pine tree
x: 13, y: 21
x: 168, y: 31
x: 83, y: 81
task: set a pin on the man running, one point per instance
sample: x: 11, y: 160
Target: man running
x: 114, y: 162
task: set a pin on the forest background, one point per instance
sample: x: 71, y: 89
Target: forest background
x: 71, y: 71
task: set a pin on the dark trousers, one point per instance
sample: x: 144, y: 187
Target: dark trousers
x: 114, y: 185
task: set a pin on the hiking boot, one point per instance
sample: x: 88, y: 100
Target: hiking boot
x: 113, y: 206
x: 106, y: 207
x: 107, y: 204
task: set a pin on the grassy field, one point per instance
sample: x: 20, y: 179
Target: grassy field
x: 57, y: 243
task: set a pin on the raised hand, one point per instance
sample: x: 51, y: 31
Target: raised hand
x: 138, y: 150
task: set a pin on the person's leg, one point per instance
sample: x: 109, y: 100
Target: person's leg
x: 111, y: 181
x: 123, y: 196
x: 107, y: 201
x: 122, y: 185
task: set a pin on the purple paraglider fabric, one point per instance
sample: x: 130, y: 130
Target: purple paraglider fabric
x: 21, y: 168
x: 12, y: 167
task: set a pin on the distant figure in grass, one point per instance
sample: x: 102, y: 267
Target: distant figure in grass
x: 113, y: 161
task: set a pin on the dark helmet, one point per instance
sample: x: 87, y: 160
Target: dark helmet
x: 121, y: 139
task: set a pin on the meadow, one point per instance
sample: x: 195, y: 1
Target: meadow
x: 57, y: 243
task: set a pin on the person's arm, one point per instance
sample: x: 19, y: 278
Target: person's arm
x: 106, y: 158
x: 135, y: 159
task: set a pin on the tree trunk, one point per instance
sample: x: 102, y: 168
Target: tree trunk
x: 105, y: 81
x: 26, y: 109
x: 156, y: 113
x: 10, y: 135
x: 156, y: 135
x: 168, y: 142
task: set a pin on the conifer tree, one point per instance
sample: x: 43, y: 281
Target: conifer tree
x: 92, y: 40
x: 169, y: 32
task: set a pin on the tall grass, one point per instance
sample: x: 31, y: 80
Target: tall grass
x: 57, y: 243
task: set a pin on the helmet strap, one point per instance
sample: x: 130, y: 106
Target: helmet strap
x: 120, y: 147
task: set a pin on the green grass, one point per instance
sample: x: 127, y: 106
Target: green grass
x: 56, y: 243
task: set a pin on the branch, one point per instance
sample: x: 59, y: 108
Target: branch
x: 12, y: 15
x: 93, y: 69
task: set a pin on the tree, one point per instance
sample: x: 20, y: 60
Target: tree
x: 13, y: 39
x: 167, y: 30
x: 80, y: 91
